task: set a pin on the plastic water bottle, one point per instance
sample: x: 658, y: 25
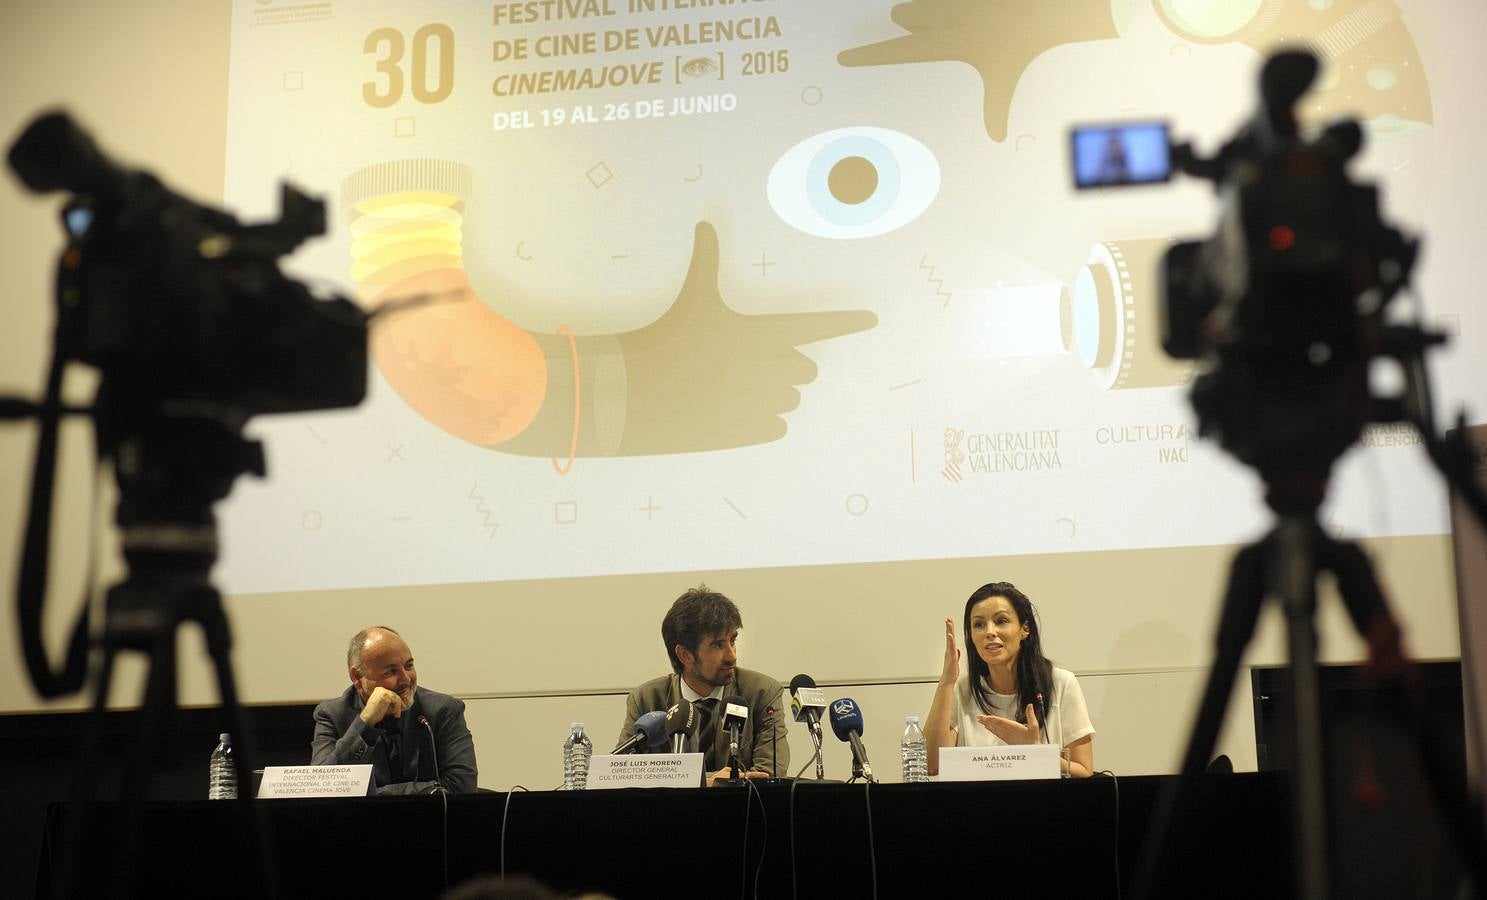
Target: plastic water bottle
x: 576, y: 753
x: 912, y: 750
x: 222, y: 777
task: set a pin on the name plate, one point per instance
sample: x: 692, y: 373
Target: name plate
x: 1009, y: 763
x: 314, y: 781
x: 663, y: 770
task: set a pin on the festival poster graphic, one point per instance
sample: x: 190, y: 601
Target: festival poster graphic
x: 679, y: 284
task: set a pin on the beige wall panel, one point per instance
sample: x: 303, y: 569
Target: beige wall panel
x: 1142, y: 723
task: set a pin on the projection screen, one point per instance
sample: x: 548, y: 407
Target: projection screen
x: 703, y: 285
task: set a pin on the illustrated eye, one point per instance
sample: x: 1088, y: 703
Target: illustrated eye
x: 698, y: 67
x: 853, y: 183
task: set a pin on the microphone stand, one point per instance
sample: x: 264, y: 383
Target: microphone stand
x: 815, y: 730
x: 433, y: 749
x: 774, y: 746
x: 861, y: 769
x: 856, y: 771
x: 733, y: 775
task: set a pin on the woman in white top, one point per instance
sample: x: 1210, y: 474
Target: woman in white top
x: 1009, y: 682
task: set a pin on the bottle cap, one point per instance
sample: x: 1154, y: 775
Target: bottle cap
x: 225, y: 738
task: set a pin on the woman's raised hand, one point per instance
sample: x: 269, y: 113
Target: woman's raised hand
x: 950, y: 671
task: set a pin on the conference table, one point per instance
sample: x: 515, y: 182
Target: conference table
x: 1064, y: 838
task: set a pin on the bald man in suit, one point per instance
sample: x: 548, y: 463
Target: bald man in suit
x: 416, y: 739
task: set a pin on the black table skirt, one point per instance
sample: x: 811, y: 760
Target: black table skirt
x: 1010, y: 839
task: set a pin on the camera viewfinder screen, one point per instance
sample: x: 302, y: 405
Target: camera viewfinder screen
x: 1114, y: 155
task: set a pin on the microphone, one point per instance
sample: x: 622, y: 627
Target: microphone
x: 774, y: 740
x: 656, y: 738
x: 1042, y: 711
x: 806, y: 703
x: 433, y: 753
x: 681, y: 721
x: 846, y: 721
x: 650, y: 731
x: 735, y: 714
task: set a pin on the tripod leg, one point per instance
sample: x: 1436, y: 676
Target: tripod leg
x: 1293, y: 576
x: 88, y: 778
x: 1364, y: 601
x: 219, y: 648
x: 1236, y: 624
x: 252, y: 817
x: 73, y: 878
x: 159, y: 702
x: 1369, y: 610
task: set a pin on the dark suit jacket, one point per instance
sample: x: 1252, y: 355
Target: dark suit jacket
x: 336, y: 743
x: 761, y: 733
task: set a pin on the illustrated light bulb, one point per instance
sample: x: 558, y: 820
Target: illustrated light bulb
x: 462, y: 366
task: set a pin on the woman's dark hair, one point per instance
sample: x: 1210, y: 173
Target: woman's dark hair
x: 1033, y: 671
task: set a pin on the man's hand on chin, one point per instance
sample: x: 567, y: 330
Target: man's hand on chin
x: 381, y: 703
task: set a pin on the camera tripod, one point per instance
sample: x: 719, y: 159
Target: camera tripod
x: 1285, y: 565
x: 170, y: 471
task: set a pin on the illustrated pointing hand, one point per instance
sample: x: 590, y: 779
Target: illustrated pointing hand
x: 704, y: 376
x: 701, y: 377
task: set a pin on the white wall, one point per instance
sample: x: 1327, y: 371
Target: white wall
x: 150, y: 81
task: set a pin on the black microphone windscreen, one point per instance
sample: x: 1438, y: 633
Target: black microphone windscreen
x: 846, y: 718
x: 681, y: 718
x: 800, y: 681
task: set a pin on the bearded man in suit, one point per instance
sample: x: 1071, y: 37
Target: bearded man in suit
x: 700, y: 632
x: 416, y: 739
